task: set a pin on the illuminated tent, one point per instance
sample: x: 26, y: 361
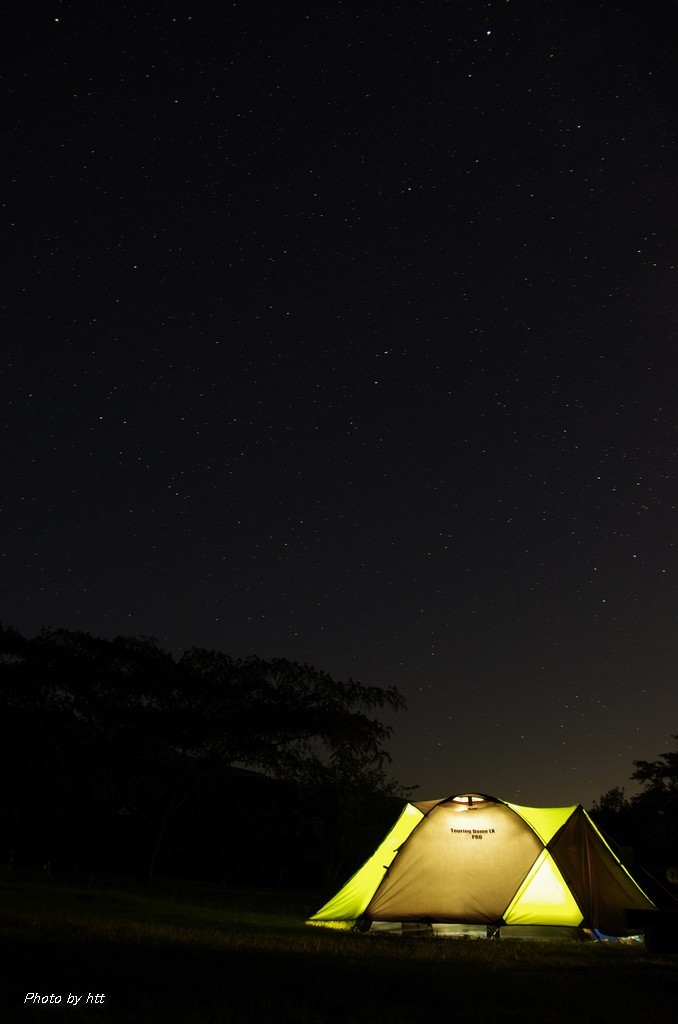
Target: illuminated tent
x: 473, y: 864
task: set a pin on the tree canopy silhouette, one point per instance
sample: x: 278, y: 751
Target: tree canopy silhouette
x: 648, y: 820
x: 107, y: 728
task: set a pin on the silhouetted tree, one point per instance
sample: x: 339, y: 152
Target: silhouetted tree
x: 110, y: 730
x: 614, y: 815
x: 658, y: 801
x: 346, y: 804
x: 648, y: 820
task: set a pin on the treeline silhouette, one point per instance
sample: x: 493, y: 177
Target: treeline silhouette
x: 119, y: 758
x: 644, y: 826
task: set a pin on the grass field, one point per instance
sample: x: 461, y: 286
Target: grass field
x: 200, y: 956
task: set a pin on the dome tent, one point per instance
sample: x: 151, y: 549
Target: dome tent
x: 474, y: 863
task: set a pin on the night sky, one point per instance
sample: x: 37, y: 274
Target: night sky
x: 347, y: 333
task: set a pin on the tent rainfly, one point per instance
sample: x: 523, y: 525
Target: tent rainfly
x: 473, y: 864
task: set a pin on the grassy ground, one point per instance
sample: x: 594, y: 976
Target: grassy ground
x: 213, y: 957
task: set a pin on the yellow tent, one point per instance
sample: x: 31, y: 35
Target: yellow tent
x: 474, y: 862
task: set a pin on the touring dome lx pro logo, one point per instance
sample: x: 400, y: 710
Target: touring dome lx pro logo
x: 474, y: 833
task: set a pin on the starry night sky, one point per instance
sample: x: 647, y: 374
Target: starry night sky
x: 347, y: 332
